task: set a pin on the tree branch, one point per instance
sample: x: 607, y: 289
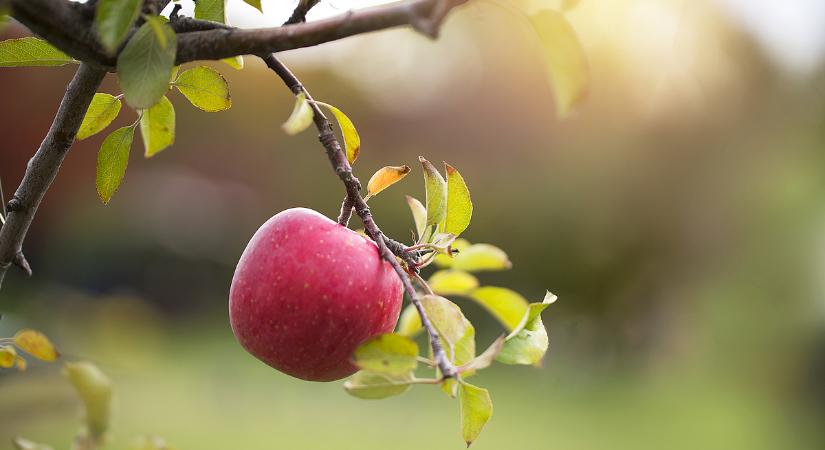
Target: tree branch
x: 338, y: 159
x: 299, y: 15
x: 43, y: 166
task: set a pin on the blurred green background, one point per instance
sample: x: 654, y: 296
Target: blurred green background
x: 679, y: 215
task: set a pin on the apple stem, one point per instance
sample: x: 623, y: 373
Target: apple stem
x: 388, y: 248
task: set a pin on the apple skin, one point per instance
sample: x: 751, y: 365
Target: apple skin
x: 307, y: 292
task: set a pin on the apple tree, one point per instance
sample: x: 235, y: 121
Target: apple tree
x: 323, y: 314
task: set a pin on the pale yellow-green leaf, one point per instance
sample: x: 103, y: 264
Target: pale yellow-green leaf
x: 111, y: 162
x: 436, y: 188
x: 25, y: 444
x: 441, y: 242
x: 157, y: 127
x: 144, y: 65
x: 481, y: 257
x: 565, y: 59
x: 36, y: 344
x: 462, y: 353
x: 102, y: 111
x: 409, y: 323
x: 371, y: 386
x: 386, y: 177
x: 388, y: 353
x: 7, y: 356
x: 446, y: 316
x: 301, y: 117
x: 476, y: 410
x: 452, y: 282
x: 504, y: 304
x: 205, y: 88
x: 419, y: 213
x: 255, y: 4
x: 235, y: 62
x: 528, y: 342
x: 95, y: 389
x: 352, y: 141
x: 459, y: 205
x: 485, y: 359
x: 31, y: 51
x: 113, y: 20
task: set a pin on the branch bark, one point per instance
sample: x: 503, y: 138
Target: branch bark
x: 338, y: 159
x: 44, y: 165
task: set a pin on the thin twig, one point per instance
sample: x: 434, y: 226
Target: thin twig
x: 44, y: 165
x: 339, y: 162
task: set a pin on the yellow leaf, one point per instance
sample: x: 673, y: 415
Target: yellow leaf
x: 479, y: 257
x: 409, y: 324
x: 235, y: 62
x: 157, y: 127
x: 102, y: 111
x: 7, y: 356
x: 21, y: 364
x: 36, y: 344
x: 386, y: 177
x: 452, y: 282
x: 459, y: 204
x: 301, y: 117
x: 566, y: 63
x: 436, y: 188
x: 352, y: 141
x: 205, y: 88
x: 505, y: 304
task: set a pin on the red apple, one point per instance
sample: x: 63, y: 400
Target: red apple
x: 307, y: 292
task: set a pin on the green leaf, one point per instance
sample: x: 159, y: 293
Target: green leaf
x: 452, y: 282
x: 370, y: 385
x: 235, y: 62
x: 31, y: 51
x: 388, y: 353
x: 95, y: 389
x: 505, y: 304
x: 157, y: 127
x: 419, y: 213
x: 459, y: 205
x: 112, y: 160
x: 102, y: 111
x: 436, y: 193
x: 384, y: 178
x: 528, y: 342
x: 446, y: 317
x: 144, y: 65
x: 476, y: 410
x: 352, y: 141
x: 409, y: 324
x: 566, y: 63
x: 210, y: 10
x: 36, y: 344
x: 255, y: 4
x: 113, y: 20
x: 480, y: 257
x: 483, y: 360
x: 301, y: 117
x: 25, y: 444
x: 205, y: 88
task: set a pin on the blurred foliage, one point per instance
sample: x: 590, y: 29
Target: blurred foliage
x: 679, y: 215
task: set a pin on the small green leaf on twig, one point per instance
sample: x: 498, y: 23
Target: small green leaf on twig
x: 436, y: 189
x: 419, y: 213
x: 528, y: 342
x: 301, y: 117
x: 205, y: 88
x: 372, y: 386
x: 31, y: 51
x: 157, y: 127
x: 352, y: 140
x: 102, y: 111
x: 452, y: 282
x: 144, y: 65
x: 504, y: 304
x: 113, y: 20
x: 112, y: 160
x: 476, y: 410
x: 459, y: 204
